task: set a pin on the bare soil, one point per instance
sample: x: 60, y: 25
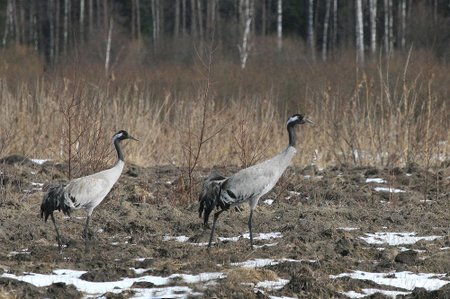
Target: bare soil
x: 310, y: 209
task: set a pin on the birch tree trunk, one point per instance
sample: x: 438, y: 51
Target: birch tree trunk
x: 403, y: 22
x: 325, y: 29
x: 66, y: 25
x: 9, y: 21
x: 386, y: 27
x: 335, y: 24
x: 311, y: 39
x: 108, y: 47
x: 50, y: 15
x: 246, y: 16
x: 391, y: 26
x: 373, y: 25
x: 280, y: 24
x: 91, y: 16
x: 359, y: 33
x: 82, y: 20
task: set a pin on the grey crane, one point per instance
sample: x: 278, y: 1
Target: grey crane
x: 249, y: 184
x: 85, y: 192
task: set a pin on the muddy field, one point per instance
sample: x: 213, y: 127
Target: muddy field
x: 147, y: 243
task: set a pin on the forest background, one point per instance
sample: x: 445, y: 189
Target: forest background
x: 205, y: 83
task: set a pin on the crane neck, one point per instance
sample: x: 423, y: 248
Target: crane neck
x: 118, y: 149
x: 292, y: 135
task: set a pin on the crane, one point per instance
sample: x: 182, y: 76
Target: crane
x: 249, y: 184
x: 85, y: 192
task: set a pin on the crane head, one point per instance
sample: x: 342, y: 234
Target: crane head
x: 122, y: 135
x: 298, y: 119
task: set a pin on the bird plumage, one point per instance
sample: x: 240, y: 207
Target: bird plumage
x: 250, y: 184
x: 84, y: 192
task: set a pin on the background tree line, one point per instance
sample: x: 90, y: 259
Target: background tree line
x: 102, y: 29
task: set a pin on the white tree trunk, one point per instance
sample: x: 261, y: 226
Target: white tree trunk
x: 9, y: 21
x: 373, y: 25
x: 81, y: 20
x: 310, y: 39
x: 391, y: 26
x: 108, y: 47
x: 280, y: 24
x: 335, y: 22
x: 325, y: 30
x: 386, y: 27
x: 359, y: 33
x: 403, y: 20
x: 66, y: 25
x: 246, y: 21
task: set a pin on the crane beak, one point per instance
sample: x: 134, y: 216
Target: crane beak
x: 308, y: 121
x: 131, y: 137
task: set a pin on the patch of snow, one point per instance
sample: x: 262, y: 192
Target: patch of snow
x: 294, y: 193
x: 39, y: 161
x: 268, y: 202
x: 395, y: 239
x: 181, y: 239
x: 391, y: 190
x: 272, y: 285
x: 369, y: 292
x: 445, y: 248
x: 98, y: 288
x: 416, y: 250
x: 375, y: 180
x: 348, y: 228
x: 22, y: 251
x: 283, y: 297
x: 409, y: 174
x: 259, y: 263
x: 266, y: 245
x: 264, y: 236
x: 139, y: 271
x: 167, y: 292
x: 406, y: 280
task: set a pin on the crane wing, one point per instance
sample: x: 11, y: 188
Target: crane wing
x: 249, y: 183
x: 87, y: 192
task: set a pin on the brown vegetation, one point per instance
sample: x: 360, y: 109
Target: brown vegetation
x: 392, y: 113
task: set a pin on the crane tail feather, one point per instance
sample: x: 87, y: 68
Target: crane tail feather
x: 209, y: 195
x: 54, y: 200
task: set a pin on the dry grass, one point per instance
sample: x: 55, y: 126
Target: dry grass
x: 391, y: 113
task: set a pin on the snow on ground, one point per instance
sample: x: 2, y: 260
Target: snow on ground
x: 39, y: 161
x: 405, y: 280
x: 259, y: 263
x: 391, y: 190
x: 268, y: 202
x: 375, y: 180
x: 394, y: 239
x: 369, y: 292
x: 99, y: 288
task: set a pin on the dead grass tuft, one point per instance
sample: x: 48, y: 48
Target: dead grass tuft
x: 249, y: 275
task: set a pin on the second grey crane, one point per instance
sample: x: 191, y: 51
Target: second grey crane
x: 84, y: 192
x: 249, y: 184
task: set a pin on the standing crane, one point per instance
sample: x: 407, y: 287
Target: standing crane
x: 249, y: 184
x: 85, y: 192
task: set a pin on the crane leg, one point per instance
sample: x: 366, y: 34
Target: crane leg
x: 57, y: 232
x: 216, y: 215
x: 86, y: 233
x: 250, y: 228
